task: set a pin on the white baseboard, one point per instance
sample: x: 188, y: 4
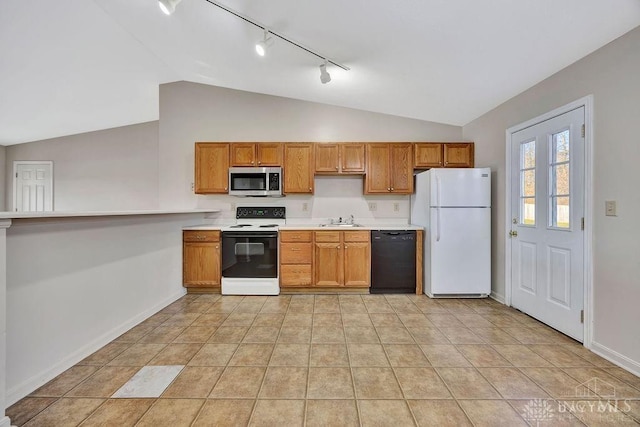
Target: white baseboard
x: 614, y: 357
x: 21, y: 390
x: 497, y: 297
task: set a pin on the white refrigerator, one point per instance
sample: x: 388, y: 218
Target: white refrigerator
x: 454, y: 207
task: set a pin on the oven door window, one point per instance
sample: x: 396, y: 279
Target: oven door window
x: 249, y: 254
x: 248, y: 181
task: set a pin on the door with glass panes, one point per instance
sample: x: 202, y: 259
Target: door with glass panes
x: 547, y: 210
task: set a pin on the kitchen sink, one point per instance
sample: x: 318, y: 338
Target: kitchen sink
x: 341, y: 225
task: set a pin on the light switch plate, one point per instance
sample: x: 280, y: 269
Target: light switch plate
x: 610, y: 208
x: 373, y: 206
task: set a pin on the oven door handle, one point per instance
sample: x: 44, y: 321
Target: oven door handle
x: 247, y: 235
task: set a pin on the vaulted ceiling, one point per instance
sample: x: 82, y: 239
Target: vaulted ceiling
x: 72, y: 66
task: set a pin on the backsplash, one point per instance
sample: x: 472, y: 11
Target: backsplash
x: 334, y: 197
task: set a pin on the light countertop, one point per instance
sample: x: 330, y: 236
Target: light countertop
x: 71, y: 214
x: 315, y: 227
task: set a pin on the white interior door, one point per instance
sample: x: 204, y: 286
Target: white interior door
x: 547, y: 211
x: 33, y: 186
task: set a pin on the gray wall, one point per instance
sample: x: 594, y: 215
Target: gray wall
x: 191, y: 112
x: 113, y: 169
x: 3, y: 187
x: 611, y: 74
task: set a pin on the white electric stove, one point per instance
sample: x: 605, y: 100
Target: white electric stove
x: 250, y: 251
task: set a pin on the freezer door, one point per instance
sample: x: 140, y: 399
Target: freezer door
x: 460, y: 251
x: 461, y: 187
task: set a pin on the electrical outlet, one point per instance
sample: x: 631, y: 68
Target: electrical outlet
x: 305, y: 207
x: 610, y: 208
x: 373, y: 206
x: 396, y: 207
x: 192, y: 186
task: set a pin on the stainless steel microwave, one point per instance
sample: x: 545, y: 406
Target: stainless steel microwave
x: 255, y: 182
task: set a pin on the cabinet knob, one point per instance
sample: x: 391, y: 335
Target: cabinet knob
x: 259, y: 163
x: 309, y: 188
x: 388, y: 188
x: 338, y: 247
x: 345, y: 246
x: 251, y: 161
x: 217, y: 247
x: 446, y: 163
x: 391, y: 188
x: 336, y: 167
x: 225, y: 188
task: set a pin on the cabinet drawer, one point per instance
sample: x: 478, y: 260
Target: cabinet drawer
x: 356, y: 236
x: 201, y: 235
x: 295, y: 236
x: 295, y: 253
x: 328, y: 236
x: 295, y: 275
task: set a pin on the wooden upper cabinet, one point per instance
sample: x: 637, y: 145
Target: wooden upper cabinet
x: 389, y: 168
x: 377, y: 175
x: 343, y: 158
x: 428, y: 155
x: 327, y: 158
x: 211, y: 168
x: 269, y: 153
x: 298, y: 168
x: 459, y: 155
x: 352, y: 158
x: 401, y: 168
x: 448, y: 155
x: 256, y: 154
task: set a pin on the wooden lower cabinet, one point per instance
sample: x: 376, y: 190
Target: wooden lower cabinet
x: 342, y: 259
x: 295, y: 258
x: 201, y: 259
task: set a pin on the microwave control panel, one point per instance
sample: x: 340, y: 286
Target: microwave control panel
x: 274, y: 181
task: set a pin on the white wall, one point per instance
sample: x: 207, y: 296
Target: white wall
x: 113, y: 169
x: 75, y: 284
x: 611, y: 74
x: 191, y: 112
x: 3, y: 187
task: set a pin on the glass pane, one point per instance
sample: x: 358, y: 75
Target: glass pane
x: 528, y: 183
x: 528, y: 210
x: 528, y: 155
x: 560, y: 212
x: 560, y: 147
x: 560, y: 179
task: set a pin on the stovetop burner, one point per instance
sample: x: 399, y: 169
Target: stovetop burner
x: 268, y: 225
x: 240, y: 226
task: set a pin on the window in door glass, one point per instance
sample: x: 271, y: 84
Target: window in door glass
x: 559, y: 180
x: 528, y: 183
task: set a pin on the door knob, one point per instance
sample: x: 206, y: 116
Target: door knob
x: 513, y: 233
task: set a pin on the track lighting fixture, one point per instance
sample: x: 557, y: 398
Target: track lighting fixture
x: 168, y: 6
x: 264, y: 44
x: 325, y: 77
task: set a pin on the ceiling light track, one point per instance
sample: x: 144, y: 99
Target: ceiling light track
x: 280, y: 36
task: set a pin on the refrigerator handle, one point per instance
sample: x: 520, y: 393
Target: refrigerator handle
x: 437, y: 208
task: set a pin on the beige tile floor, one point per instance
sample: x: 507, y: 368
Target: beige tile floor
x: 328, y: 360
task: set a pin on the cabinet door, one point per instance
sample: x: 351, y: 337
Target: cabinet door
x: 328, y: 264
x: 243, y: 154
x: 357, y: 264
x: 458, y: 155
x: 428, y: 155
x: 377, y: 176
x: 201, y: 264
x: 352, y: 158
x: 211, y: 168
x: 401, y: 169
x: 298, y: 168
x: 327, y: 158
x: 269, y: 154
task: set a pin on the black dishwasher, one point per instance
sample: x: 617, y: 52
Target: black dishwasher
x: 393, y: 261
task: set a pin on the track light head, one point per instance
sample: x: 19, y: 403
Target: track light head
x: 264, y: 44
x: 168, y: 6
x: 325, y: 77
